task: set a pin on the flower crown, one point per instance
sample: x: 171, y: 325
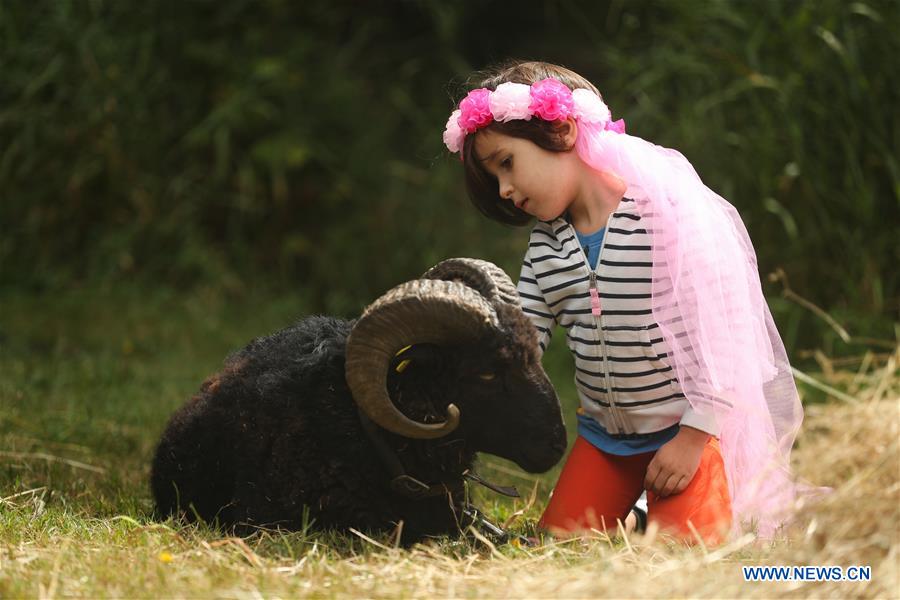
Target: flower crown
x: 548, y: 99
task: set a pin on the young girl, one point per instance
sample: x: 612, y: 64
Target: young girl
x: 684, y: 384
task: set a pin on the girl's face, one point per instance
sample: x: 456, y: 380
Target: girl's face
x: 540, y: 182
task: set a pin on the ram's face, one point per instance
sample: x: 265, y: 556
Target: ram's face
x: 514, y: 413
x: 508, y: 405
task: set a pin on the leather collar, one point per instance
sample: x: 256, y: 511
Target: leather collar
x: 410, y: 487
x: 401, y: 483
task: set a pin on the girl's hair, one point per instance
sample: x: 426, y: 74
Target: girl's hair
x: 481, y: 186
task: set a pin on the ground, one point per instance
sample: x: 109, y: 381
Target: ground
x: 88, y: 378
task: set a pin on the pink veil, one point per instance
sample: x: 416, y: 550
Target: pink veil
x: 708, y: 301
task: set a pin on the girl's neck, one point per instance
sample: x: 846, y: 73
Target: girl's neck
x: 597, y: 199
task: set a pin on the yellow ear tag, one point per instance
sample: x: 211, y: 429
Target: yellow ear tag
x: 402, y: 366
x: 402, y: 350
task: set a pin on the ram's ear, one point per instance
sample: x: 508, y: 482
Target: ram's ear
x: 418, y: 356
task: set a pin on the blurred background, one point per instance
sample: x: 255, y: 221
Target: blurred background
x: 297, y: 145
x: 179, y: 177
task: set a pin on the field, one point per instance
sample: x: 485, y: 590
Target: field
x: 88, y: 378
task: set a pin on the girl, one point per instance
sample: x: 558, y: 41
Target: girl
x: 684, y: 384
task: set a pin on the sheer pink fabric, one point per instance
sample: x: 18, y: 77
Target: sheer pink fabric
x: 708, y: 301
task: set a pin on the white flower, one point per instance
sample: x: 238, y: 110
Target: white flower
x: 454, y: 135
x: 589, y: 107
x: 510, y: 102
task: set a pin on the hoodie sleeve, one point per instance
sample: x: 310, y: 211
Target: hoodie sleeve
x: 703, y: 421
x: 534, y: 305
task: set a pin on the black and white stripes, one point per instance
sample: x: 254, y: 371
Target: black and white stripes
x: 622, y: 375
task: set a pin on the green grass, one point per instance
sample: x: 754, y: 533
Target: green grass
x: 87, y: 382
x: 89, y: 377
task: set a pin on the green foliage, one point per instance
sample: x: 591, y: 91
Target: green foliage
x: 226, y: 143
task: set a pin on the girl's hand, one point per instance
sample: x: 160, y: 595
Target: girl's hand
x: 675, y: 463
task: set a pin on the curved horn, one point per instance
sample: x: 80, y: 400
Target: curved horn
x: 488, y: 279
x: 421, y: 311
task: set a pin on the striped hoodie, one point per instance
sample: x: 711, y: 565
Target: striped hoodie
x: 622, y: 374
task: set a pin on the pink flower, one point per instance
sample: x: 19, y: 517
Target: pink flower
x: 616, y: 126
x: 588, y: 107
x: 551, y: 100
x: 510, y: 101
x: 454, y: 136
x: 475, y: 110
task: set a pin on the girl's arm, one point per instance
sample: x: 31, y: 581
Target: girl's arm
x: 534, y: 305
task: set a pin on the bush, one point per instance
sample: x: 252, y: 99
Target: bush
x: 224, y: 143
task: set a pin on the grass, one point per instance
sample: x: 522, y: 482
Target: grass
x: 88, y: 378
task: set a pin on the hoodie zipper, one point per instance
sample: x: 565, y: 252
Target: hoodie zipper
x: 597, y: 315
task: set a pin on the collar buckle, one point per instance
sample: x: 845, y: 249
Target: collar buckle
x: 409, y: 486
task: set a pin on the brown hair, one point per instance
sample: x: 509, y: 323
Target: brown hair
x: 482, y: 187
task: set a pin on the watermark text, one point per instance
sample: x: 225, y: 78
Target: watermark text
x: 807, y: 573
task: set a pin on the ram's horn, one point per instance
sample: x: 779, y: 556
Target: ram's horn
x: 488, y: 279
x: 421, y: 311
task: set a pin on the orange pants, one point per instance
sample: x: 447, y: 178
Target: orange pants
x: 595, y: 489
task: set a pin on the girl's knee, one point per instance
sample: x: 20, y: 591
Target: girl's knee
x: 703, y: 510
x: 710, y: 523
x: 584, y: 520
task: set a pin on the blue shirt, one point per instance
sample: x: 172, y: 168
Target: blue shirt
x: 623, y: 445
x: 590, y: 429
x: 591, y: 244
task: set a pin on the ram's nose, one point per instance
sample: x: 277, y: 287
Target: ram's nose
x: 559, y: 443
x: 541, y: 457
